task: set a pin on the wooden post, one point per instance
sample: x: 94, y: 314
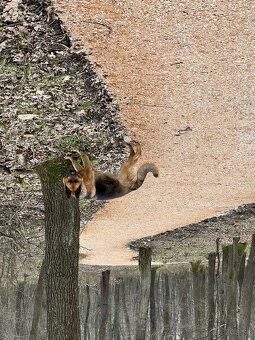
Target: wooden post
x: 153, y: 321
x: 198, y: 274
x: 105, y: 291
x: 246, y: 293
x: 210, y: 297
x: 145, y: 280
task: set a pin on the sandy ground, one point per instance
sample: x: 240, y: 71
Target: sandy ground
x: 183, y: 73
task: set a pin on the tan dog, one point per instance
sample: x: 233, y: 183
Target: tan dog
x: 92, y: 184
x: 73, y: 184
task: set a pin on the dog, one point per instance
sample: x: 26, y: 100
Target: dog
x: 73, y: 184
x: 85, y: 182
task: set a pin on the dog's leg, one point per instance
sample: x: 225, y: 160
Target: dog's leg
x: 127, y: 175
x: 85, y: 160
x: 88, y: 175
x: 136, y: 154
x: 75, y: 164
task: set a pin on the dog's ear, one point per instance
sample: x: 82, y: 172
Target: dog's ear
x: 78, y: 192
x: 68, y: 192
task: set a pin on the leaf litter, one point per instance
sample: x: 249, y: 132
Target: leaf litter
x: 51, y: 101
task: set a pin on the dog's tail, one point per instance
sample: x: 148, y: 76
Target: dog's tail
x: 144, y: 170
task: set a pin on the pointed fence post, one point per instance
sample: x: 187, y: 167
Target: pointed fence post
x: 145, y: 288
x: 246, y: 293
x: 210, y: 297
x: 198, y: 275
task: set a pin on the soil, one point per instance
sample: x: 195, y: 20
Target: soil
x: 195, y: 241
x: 182, y: 73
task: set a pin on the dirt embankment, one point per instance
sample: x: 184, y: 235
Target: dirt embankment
x: 183, y: 75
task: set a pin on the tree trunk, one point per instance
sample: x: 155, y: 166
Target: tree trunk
x: 62, y: 225
x: 38, y: 303
x: 145, y: 273
x: 246, y: 293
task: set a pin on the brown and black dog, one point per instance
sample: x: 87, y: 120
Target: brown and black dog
x: 85, y: 182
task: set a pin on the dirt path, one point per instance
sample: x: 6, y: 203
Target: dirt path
x: 183, y: 73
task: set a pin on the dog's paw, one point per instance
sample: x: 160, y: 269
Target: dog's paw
x: 134, y: 142
x: 68, y: 157
x: 75, y: 150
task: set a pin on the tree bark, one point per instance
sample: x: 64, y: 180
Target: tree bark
x: 62, y: 225
x: 38, y: 303
x: 145, y: 274
x: 246, y: 293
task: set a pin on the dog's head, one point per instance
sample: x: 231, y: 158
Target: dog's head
x: 73, y: 184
